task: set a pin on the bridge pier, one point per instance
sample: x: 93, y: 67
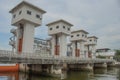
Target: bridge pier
x: 83, y: 67
x: 43, y: 69
x: 111, y: 64
x: 24, y: 68
x: 100, y: 65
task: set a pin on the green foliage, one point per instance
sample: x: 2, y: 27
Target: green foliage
x: 117, y: 52
x: 117, y: 58
x: 117, y: 55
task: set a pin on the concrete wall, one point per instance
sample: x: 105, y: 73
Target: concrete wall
x: 78, y: 36
x: 52, y: 29
x: 31, y: 18
x: 28, y: 38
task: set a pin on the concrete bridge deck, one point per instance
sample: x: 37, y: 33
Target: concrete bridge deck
x: 37, y: 58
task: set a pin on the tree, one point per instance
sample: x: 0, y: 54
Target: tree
x: 117, y: 55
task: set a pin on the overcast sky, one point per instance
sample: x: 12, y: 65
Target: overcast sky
x: 100, y: 18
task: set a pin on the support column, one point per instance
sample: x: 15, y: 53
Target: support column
x: 93, y: 51
x: 63, y: 46
x: 73, y: 49
x: 53, y: 45
x: 100, y: 65
x: 81, y: 49
x: 28, y: 38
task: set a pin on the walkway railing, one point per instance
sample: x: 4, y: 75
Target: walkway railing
x: 38, y: 58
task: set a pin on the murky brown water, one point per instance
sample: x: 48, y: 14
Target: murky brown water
x: 98, y: 74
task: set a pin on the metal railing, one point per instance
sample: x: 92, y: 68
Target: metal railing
x: 32, y: 58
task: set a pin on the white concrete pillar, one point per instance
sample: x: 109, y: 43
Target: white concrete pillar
x: 28, y: 38
x: 86, y: 53
x: 63, y: 45
x: 17, y: 39
x: 81, y: 49
x: 73, y: 49
x: 93, y: 51
x: 53, y: 45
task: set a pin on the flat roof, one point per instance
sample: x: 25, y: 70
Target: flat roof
x: 80, y: 31
x: 28, y: 4
x: 93, y: 37
x: 61, y: 20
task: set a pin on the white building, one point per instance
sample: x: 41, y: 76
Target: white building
x: 26, y: 17
x: 59, y: 30
x: 90, y: 46
x: 105, y: 52
x: 78, y: 39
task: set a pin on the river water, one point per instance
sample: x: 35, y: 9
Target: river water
x: 97, y: 74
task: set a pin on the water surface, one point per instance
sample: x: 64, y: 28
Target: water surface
x: 97, y: 74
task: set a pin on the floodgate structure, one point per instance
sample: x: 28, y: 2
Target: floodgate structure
x: 53, y: 54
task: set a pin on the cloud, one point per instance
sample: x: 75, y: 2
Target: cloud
x: 99, y: 17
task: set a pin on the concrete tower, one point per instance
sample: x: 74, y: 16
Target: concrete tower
x: 59, y: 30
x: 91, y: 46
x: 26, y: 17
x: 78, y: 38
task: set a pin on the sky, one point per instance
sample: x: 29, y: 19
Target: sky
x: 100, y: 18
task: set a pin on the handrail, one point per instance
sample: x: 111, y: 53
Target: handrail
x: 38, y: 57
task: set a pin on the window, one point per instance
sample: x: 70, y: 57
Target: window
x: 71, y: 35
x: 57, y: 27
x: 14, y: 15
x: 64, y: 27
x: 20, y: 12
x: 78, y: 35
x: 50, y: 28
x: 90, y: 40
x: 40, y: 18
x: 37, y: 16
x: 28, y: 12
x: 82, y: 35
x: 68, y: 29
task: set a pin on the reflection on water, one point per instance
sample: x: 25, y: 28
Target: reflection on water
x: 97, y: 74
x: 9, y: 76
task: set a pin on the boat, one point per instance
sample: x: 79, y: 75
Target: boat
x: 9, y: 67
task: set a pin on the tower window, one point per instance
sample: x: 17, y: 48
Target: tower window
x: 28, y: 12
x: 68, y: 29
x: 37, y: 16
x: 50, y: 28
x: 82, y: 35
x: 64, y: 27
x: 20, y: 12
x: 78, y: 35
x: 40, y: 18
x: 71, y: 35
x: 57, y: 27
x: 14, y: 15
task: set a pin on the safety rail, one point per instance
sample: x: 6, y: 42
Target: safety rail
x: 37, y: 58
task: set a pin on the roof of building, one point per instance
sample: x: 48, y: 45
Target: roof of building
x: 93, y: 37
x: 28, y: 4
x: 61, y: 20
x: 104, y: 49
x: 80, y: 31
